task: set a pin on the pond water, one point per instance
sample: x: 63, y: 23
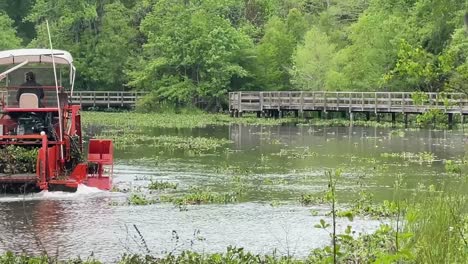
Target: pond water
x: 270, y: 167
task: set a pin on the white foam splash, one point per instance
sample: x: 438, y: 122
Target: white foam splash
x: 82, y: 191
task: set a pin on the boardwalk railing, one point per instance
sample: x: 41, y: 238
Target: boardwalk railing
x: 103, y: 98
x: 377, y: 102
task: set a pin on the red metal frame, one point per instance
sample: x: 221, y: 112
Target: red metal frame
x: 50, y: 168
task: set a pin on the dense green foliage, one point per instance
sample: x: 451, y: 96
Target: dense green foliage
x: 191, y: 51
x: 17, y: 160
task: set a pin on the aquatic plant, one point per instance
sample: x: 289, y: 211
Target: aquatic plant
x: 189, y: 145
x: 139, y: 199
x: 12, y: 258
x: 232, y: 255
x: 161, y: 185
x: 397, y: 132
x: 197, y: 196
x: 132, y: 120
x: 421, y: 157
x: 313, y: 198
x: 297, y: 153
x: 432, y: 116
x: 364, y: 205
x: 346, y: 123
x: 452, y: 167
x: 438, y: 224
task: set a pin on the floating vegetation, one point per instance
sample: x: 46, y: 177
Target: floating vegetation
x: 198, y: 196
x: 313, y: 198
x: 161, y: 185
x: 298, y: 153
x: 16, y: 160
x: 397, y: 133
x: 170, y: 120
x: 139, y: 199
x: 365, y: 205
x: 453, y: 167
x: 421, y: 157
x: 346, y: 123
x: 190, y: 145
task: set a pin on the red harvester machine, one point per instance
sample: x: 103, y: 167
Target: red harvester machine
x: 36, y: 113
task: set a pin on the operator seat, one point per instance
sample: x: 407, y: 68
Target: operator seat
x: 28, y: 100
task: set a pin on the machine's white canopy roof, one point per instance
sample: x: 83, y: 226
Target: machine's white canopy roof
x: 9, y: 57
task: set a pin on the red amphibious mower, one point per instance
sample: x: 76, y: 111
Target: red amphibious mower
x: 36, y: 113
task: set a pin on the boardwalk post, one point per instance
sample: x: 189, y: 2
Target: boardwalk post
x: 351, y: 118
x: 301, y: 107
x: 261, y: 101
x: 375, y: 106
x: 230, y: 103
x: 350, y: 102
x: 403, y: 102
x: 239, y: 102
x: 313, y: 100
x: 325, y: 102
x: 337, y: 101
x: 450, y: 120
x: 406, y: 120
x: 362, y: 101
x: 108, y: 100
x: 389, y: 101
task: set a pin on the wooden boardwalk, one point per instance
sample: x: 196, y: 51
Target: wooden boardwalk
x: 276, y: 103
x: 103, y: 99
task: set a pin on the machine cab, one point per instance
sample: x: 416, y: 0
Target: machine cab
x: 36, y: 117
x: 31, y: 90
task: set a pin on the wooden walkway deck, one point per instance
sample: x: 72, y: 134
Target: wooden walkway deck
x: 103, y: 99
x: 350, y: 102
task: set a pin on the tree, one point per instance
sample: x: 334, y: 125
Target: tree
x: 112, y: 48
x: 312, y: 61
x: 192, y: 51
x: 17, y: 11
x: 8, y: 38
x: 419, y: 69
x: 275, y: 50
x: 373, y: 52
x: 456, y: 58
x: 99, y: 34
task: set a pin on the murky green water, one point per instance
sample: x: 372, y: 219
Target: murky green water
x: 268, y: 167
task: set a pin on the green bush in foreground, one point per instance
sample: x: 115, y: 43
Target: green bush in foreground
x: 232, y: 255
